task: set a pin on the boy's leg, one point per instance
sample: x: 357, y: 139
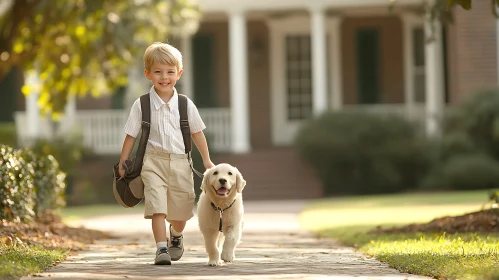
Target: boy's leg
x: 159, y: 232
x: 176, y: 247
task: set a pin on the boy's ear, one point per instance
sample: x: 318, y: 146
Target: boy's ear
x: 240, y: 182
x: 147, y: 74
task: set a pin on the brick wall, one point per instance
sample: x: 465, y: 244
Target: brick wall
x: 471, y: 51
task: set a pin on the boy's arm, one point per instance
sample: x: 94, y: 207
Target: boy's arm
x: 125, y: 152
x: 200, y: 141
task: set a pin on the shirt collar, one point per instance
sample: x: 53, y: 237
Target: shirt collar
x: 158, y: 102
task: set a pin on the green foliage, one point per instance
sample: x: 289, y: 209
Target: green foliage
x: 68, y: 150
x: 477, y: 118
x: 30, y: 184
x: 92, y: 43
x: 467, y: 154
x: 8, y: 134
x: 361, y: 153
x: 464, y: 172
x: 17, y: 187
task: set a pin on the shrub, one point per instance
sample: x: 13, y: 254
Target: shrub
x: 477, y: 118
x: 68, y: 152
x: 464, y: 172
x: 8, y: 134
x: 361, y: 153
x: 30, y: 184
x: 17, y: 184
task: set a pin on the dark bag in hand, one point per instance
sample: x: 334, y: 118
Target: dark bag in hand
x: 129, y: 189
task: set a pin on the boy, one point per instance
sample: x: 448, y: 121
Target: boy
x: 166, y: 173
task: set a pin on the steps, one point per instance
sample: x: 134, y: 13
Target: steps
x: 276, y: 174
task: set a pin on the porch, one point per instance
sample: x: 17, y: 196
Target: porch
x: 257, y: 72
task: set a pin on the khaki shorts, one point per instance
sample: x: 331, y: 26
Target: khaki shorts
x: 168, y: 186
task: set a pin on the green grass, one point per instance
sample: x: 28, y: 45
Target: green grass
x: 18, y: 261
x: 456, y: 256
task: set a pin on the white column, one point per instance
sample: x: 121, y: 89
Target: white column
x: 187, y: 80
x: 319, y: 61
x: 434, y: 76
x: 239, y: 83
x: 409, y: 94
x: 335, y: 62
x: 69, y: 114
x: 32, y: 110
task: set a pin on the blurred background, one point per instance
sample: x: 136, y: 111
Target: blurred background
x: 307, y: 98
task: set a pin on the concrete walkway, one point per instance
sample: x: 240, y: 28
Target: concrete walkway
x: 273, y: 247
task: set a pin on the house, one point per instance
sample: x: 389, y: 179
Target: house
x: 257, y: 69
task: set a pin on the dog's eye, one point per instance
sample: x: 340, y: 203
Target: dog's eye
x: 215, y: 173
x: 230, y: 173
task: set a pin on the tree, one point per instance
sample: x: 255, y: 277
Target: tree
x: 81, y: 47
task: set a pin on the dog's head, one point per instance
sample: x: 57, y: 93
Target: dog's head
x: 222, y: 180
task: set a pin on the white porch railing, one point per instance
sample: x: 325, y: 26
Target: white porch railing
x: 102, y: 130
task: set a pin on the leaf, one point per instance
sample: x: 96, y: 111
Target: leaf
x: 465, y: 4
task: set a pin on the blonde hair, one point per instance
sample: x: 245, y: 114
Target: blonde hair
x: 164, y: 54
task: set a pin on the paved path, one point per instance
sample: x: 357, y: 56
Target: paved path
x: 273, y: 247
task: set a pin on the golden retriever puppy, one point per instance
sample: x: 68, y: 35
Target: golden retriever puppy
x: 220, y: 212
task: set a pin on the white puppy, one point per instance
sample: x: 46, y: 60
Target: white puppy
x: 220, y: 212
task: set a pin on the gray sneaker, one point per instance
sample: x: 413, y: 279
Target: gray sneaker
x: 162, y: 257
x: 176, y: 246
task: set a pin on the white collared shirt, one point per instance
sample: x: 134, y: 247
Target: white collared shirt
x: 165, y: 134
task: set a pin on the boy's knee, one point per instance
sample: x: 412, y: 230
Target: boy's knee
x: 159, y: 216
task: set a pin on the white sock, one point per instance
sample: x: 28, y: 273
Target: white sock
x: 176, y: 233
x: 162, y: 245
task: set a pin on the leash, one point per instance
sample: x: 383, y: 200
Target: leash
x: 199, y: 174
x: 221, y: 212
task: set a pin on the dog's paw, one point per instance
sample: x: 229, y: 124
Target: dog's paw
x: 227, y: 256
x: 214, y: 263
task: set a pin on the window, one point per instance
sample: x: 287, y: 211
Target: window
x: 298, y: 77
x: 368, y: 66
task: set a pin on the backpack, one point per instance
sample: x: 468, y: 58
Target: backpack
x: 129, y: 189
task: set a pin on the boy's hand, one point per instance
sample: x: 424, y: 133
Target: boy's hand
x: 121, y: 170
x: 208, y: 164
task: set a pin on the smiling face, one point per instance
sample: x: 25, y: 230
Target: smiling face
x: 164, y: 77
x: 223, y: 180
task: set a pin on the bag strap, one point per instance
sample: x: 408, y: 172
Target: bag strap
x: 184, y: 122
x: 186, y: 130
x: 145, y: 105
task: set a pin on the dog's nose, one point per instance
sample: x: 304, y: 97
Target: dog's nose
x: 222, y: 181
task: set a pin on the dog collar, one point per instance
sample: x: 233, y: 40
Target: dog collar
x: 221, y: 211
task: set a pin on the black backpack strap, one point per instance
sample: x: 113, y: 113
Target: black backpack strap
x: 186, y: 130
x: 145, y: 105
x: 184, y: 122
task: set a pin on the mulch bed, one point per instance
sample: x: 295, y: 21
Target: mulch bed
x: 485, y: 221
x: 49, y: 232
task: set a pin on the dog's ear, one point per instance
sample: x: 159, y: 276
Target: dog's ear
x: 240, y: 182
x: 206, y: 179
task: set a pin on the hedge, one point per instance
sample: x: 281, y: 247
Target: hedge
x: 30, y: 184
x: 364, y: 153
